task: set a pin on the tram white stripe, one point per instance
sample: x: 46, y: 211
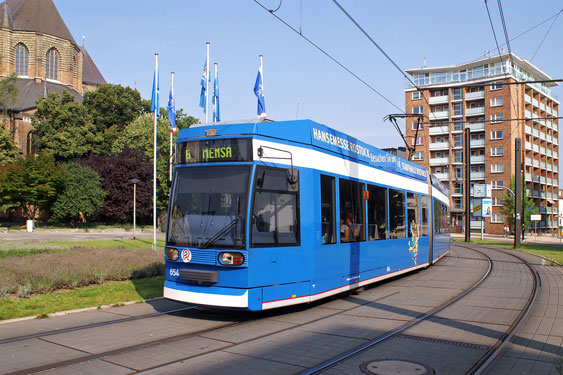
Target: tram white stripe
x: 207, y: 298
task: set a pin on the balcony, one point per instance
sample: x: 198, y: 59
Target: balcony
x: 477, y: 143
x: 527, y: 99
x: 439, y: 161
x: 528, y: 129
x: 437, y: 130
x: 528, y: 161
x: 439, y: 146
x: 438, y: 99
x: 528, y: 146
x: 529, y: 177
x: 477, y: 159
x: 475, y: 111
x: 439, y: 115
x: 475, y: 95
x: 477, y: 175
x: 444, y: 176
x: 477, y: 126
x: 527, y: 114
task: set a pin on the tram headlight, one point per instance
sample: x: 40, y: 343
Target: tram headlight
x: 171, y: 253
x: 231, y: 259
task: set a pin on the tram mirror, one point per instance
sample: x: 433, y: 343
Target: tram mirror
x: 292, y: 179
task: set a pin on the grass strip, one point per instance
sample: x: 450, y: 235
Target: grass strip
x: 114, y: 292
x: 547, y: 251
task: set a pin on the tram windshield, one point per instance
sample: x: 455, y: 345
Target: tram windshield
x: 208, y: 207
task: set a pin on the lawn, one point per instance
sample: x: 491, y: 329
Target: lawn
x: 44, y: 277
x: 547, y: 251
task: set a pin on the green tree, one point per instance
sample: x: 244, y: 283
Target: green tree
x: 82, y: 197
x: 112, y: 108
x: 508, y: 205
x: 183, y: 121
x: 139, y: 135
x: 8, y: 91
x: 8, y: 149
x: 64, y: 128
x: 31, y: 183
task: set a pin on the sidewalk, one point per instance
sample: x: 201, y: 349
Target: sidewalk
x: 77, y: 234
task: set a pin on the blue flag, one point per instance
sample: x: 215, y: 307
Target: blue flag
x: 172, y: 109
x: 202, y: 102
x: 216, y: 111
x: 155, y: 92
x: 259, y: 92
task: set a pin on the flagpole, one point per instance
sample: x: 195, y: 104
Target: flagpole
x: 262, y: 71
x: 207, y: 85
x: 154, y: 153
x: 214, y: 104
x: 171, y: 134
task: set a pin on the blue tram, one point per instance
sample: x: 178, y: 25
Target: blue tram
x: 267, y: 214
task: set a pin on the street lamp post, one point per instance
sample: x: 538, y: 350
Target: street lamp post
x: 134, y: 181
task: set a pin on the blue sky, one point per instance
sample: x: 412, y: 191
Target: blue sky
x: 299, y: 81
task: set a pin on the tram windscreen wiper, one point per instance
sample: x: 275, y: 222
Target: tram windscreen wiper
x: 220, y: 234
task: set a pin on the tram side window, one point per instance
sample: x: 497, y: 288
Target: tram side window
x: 424, y: 205
x: 377, y: 213
x: 352, y: 212
x: 328, y: 209
x: 437, y: 216
x: 275, y: 209
x: 396, y: 214
x: 413, y: 214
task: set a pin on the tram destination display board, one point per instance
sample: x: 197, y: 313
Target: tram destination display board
x: 214, y: 151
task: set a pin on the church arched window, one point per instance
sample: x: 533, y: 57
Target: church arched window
x: 22, y: 58
x: 52, y: 64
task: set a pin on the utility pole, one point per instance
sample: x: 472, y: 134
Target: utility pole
x: 467, y: 184
x: 518, y: 192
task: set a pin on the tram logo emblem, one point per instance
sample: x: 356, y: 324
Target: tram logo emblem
x: 186, y: 255
x: 413, y: 242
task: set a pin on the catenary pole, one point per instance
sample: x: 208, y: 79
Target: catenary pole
x: 171, y: 134
x: 156, y: 109
x: 467, y: 184
x: 518, y: 192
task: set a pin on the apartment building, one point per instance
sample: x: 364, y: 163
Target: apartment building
x: 499, y: 98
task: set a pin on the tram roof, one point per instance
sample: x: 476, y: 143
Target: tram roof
x: 311, y: 133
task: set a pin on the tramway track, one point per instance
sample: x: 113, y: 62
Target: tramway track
x: 93, y: 325
x: 104, y: 355
x: 490, y: 353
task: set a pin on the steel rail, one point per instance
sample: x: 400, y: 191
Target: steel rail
x: 334, y: 361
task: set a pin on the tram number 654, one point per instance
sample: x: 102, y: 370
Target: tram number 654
x: 174, y: 272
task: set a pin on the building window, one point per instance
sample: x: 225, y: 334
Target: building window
x: 458, y: 156
x: 497, y: 151
x: 457, y: 94
x: 396, y: 214
x: 52, y: 64
x: 419, y: 155
x: 497, y: 168
x: 497, y: 134
x: 458, y: 109
x: 419, y: 141
x: 22, y: 56
x: 420, y: 126
x: 418, y: 110
x: 498, y: 117
x: 496, y: 85
x: 497, y: 218
x: 416, y: 95
x: 458, y: 140
x: 497, y: 202
x: 497, y: 184
x: 496, y: 102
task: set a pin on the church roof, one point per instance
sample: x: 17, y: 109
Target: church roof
x: 34, y: 15
x: 29, y: 91
x: 90, y: 72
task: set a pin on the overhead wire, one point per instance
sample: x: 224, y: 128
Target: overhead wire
x: 330, y: 56
x: 545, y: 36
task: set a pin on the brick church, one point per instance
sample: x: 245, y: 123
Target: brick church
x: 37, y: 46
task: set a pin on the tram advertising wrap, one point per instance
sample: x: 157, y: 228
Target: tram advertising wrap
x: 267, y: 214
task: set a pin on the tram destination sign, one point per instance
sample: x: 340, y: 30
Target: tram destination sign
x: 214, y: 151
